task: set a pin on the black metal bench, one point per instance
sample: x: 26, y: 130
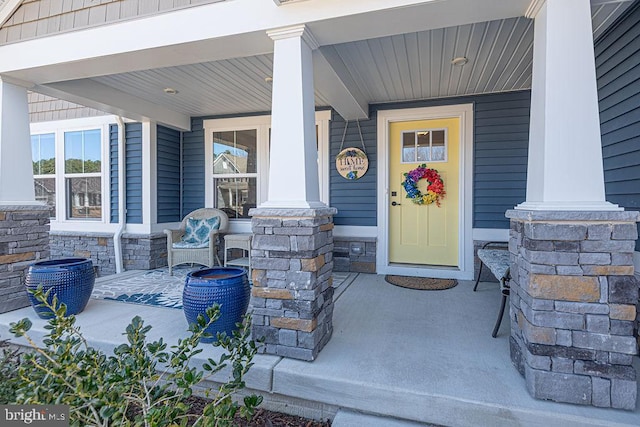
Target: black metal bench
x: 497, y: 261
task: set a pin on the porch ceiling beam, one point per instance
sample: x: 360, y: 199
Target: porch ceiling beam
x: 333, y: 80
x: 105, y: 98
x: 187, y: 36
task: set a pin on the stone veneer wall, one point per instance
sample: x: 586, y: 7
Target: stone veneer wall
x: 292, y: 296
x: 573, y: 301
x: 356, y: 254
x: 140, y: 252
x: 24, y: 238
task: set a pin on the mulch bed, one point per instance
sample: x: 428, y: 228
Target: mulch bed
x: 262, y: 417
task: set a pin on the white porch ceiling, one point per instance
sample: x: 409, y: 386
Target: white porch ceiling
x: 410, y: 66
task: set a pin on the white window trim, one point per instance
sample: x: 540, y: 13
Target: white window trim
x: 262, y: 124
x: 58, y: 128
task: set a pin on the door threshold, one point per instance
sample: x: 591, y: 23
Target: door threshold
x: 421, y: 270
x: 424, y: 266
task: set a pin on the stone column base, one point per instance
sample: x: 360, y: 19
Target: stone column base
x: 24, y: 239
x: 574, y: 298
x: 292, y: 263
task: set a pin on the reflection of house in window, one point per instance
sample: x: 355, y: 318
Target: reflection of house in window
x: 46, y: 192
x: 86, y: 197
x: 235, y: 196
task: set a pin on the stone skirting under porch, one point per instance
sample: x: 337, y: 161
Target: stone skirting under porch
x: 140, y: 251
x: 354, y: 254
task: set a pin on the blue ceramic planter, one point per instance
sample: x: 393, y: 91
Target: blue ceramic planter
x: 71, y: 279
x: 227, y: 286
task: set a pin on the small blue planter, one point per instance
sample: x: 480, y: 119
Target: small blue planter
x: 71, y: 279
x: 227, y: 286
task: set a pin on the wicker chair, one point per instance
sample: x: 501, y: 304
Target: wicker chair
x: 179, y: 252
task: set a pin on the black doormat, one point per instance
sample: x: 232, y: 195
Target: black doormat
x: 421, y: 283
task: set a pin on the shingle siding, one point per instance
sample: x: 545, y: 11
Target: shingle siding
x: 44, y: 108
x: 618, y: 74
x: 37, y: 18
x: 168, y: 175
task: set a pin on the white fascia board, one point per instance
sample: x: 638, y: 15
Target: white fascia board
x: 72, y: 124
x: 105, y: 98
x: 7, y: 9
x: 335, y: 83
x: 187, y: 36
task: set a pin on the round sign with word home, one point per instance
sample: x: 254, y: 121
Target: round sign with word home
x: 352, y: 163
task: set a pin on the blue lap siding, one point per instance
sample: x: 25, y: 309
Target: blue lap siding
x: 168, y: 175
x: 113, y: 171
x: 501, y: 138
x: 193, y: 167
x: 133, y: 150
x: 501, y: 133
x: 618, y: 73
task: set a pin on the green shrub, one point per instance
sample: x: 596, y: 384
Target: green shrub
x: 142, y: 384
x: 9, y: 362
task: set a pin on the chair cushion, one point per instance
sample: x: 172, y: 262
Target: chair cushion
x: 197, y: 230
x: 497, y: 260
x: 184, y: 245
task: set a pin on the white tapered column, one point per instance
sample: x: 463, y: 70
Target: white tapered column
x: 293, y: 169
x: 565, y: 170
x: 16, y: 167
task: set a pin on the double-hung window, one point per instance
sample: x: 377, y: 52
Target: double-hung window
x: 83, y: 174
x: 70, y: 159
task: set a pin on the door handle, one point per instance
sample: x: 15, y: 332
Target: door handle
x: 395, y: 204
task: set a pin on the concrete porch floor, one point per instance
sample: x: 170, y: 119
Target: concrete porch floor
x: 412, y: 355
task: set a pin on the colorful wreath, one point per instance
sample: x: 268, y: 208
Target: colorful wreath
x: 435, y: 189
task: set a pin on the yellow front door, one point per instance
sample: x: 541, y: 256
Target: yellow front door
x: 424, y: 234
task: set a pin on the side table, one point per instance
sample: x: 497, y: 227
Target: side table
x: 238, y: 241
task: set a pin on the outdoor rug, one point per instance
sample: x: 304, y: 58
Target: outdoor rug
x: 158, y: 288
x: 153, y: 287
x: 421, y: 283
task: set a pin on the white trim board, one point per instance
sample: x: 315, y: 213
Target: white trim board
x: 355, y: 231
x: 491, y: 234
x: 464, y: 112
